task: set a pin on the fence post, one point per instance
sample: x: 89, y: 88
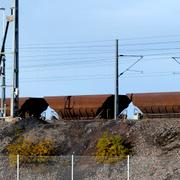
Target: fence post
x: 72, y: 167
x: 17, y: 166
x: 128, y: 167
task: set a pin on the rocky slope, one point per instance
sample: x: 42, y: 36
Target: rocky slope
x: 155, y: 149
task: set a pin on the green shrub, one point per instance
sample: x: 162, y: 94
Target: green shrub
x: 30, y: 152
x: 111, y: 148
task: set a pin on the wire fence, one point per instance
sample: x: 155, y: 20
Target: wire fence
x: 60, y: 168
x: 88, y: 168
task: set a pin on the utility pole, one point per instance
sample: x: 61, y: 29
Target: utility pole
x: 3, y: 95
x: 116, y: 97
x: 15, y: 90
x: 117, y: 76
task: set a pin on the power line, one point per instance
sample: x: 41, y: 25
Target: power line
x: 61, y: 58
x: 65, y: 47
x: 77, y: 62
x: 75, y: 46
x: 72, y: 78
x: 155, y: 49
x: 159, y: 54
x: 64, y: 54
x: 70, y: 43
x: 152, y: 75
x: 102, y: 41
x: 88, y: 54
x: 44, y: 66
x: 92, y: 77
x: 90, y: 50
x: 150, y: 37
x: 150, y: 43
x: 66, y: 63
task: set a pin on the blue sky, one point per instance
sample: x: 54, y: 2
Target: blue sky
x: 68, y: 47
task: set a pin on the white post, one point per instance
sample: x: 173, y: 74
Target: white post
x: 72, y: 167
x: 17, y: 166
x: 128, y: 167
x: 3, y: 20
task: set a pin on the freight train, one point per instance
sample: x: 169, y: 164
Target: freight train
x: 101, y: 106
x: 73, y: 107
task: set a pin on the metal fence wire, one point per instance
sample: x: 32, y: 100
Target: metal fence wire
x: 88, y: 168
x: 7, y: 172
x: 46, y: 168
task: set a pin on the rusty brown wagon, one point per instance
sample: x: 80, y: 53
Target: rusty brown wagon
x: 162, y: 104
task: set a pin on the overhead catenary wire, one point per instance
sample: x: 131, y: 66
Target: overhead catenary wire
x: 150, y: 37
x: 159, y: 54
x: 154, y: 49
x: 102, y: 41
x: 132, y: 65
x: 66, y: 54
x: 175, y: 59
x: 96, y: 46
x: 105, y: 77
x: 70, y: 63
x: 89, y: 56
x: 76, y: 61
x: 32, y: 54
x: 151, y: 43
x: 76, y: 45
x: 64, y: 47
x: 97, y: 49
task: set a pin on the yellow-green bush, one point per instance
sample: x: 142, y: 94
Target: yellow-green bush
x: 29, y: 151
x: 111, y: 148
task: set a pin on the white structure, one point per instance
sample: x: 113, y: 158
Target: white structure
x: 49, y: 115
x: 133, y: 112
